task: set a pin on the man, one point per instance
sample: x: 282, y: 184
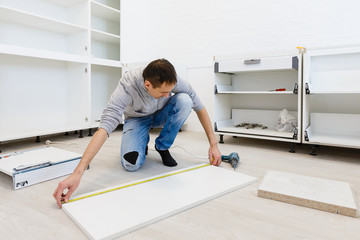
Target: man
x: 153, y: 97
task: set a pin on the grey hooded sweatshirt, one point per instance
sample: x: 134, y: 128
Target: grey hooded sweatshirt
x: 133, y: 100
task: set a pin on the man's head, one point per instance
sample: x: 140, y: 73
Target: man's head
x: 159, y: 78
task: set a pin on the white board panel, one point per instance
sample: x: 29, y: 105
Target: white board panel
x: 115, y: 213
x: 323, y: 194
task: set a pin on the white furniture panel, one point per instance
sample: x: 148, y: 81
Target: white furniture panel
x: 323, y: 194
x: 112, y: 214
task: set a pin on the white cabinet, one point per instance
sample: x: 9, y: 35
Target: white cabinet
x: 254, y: 89
x: 331, y: 102
x: 59, y: 64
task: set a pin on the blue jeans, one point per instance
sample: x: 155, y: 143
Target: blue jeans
x: 136, y: 130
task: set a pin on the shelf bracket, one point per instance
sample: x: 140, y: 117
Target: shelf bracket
x: 307, y: 90
x: 215, y: 89
x: 295, y: 136
x: 295, y: 91
x: 306, y: 136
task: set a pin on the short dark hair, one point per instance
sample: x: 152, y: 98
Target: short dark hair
x: 160, y: 71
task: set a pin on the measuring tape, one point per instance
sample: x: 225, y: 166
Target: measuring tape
x: 136, y: 183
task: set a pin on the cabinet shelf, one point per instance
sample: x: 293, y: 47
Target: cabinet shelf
x: 256, y: 92
x: 105, y: 62
x: 105, y: 12
x: 66, y: 3
x: 334, y: 129
x: 115, y: 4
x: 227, y: 126
x: 28, y: 19
x: 267, y: 118
x: 335, y: 92
x: 225, y: 89
x: 334, y: 140
x: 105, y: 37
x: 29, y: 52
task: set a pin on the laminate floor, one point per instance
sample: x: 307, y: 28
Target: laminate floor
x: 31, y: 213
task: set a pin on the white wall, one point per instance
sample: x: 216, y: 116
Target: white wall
x: 191, y: 32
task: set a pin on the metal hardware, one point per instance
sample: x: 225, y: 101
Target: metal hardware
x: 215, y: 89
x: 307, y: 90
x: 252, y: 61
x: 295, y: 136
x: 22, y: 184
x: 306, y: 136
x: 296, y: 89
x: 28, y: 167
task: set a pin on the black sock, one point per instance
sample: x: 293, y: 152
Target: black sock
x: 166, y: 158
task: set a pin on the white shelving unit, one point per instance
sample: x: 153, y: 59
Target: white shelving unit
x: 59, y: 64
x: 331, y: 109
x: 245, y: 93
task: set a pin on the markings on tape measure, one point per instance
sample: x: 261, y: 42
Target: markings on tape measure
x: 136, y: 183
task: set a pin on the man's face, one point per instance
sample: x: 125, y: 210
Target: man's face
x: 162, y: 91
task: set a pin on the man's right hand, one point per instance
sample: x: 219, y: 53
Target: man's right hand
x: 70, y: 184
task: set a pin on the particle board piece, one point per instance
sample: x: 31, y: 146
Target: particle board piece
x: 115, y: 213
x: 323, y: 194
